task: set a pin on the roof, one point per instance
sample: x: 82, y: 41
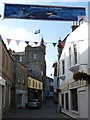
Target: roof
x: 33, y: 75
x: 1, y: 40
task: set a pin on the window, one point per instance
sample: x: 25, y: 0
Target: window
x: 20, y: 59
x: 70, y: 56
x: 3, y: 58
x: 6, y: 62
x: 36, y: 84
x: 75, y: 54
x: 63, y: 67
x: 3, y: 96
x: 29, y: 83
x: 34, y: 56
x: 23, y: 79
x: 33, y: 83
x: 67, y: 101
x: 39, y: 85
x: 62, y: 100
x: 74, y: 100
x: 19, y: 79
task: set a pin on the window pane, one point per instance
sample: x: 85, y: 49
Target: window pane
x: 67, y: 101
x: 74, y: 100
x: 69, y: 56
x: 62, y: 100
x: 75, y: 54
x: 63, y: 67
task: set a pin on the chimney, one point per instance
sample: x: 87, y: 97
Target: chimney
x: 59, y: 46
x: 74, y: 26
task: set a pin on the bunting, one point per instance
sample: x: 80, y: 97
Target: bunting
x: 36, y: 43
x: 54, y: 44
x: 8, y: 41
x: 17, y: 42
x: 63, y: 44
x: 45, y: 43
x: 27, y: 42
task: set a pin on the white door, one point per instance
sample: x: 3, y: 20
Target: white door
x: 83, y: 104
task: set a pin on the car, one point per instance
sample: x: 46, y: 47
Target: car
x: 34, y: 103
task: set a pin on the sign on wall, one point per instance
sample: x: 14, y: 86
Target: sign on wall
x: 43, y: 12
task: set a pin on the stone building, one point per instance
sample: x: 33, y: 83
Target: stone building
x: 48, y: 87
x: 34, y: 59
x: 6, y: 78
x: 55, y: 96
x: 20, y: 79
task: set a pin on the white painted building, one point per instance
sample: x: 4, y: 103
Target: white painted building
x: 74, y: 97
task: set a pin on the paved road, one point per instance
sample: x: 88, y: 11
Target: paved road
x: 48, y: 110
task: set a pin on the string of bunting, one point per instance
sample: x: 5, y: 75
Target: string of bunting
x: 27, y: 42
x: 36, y: 43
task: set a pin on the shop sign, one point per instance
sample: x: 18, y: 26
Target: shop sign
x: 65, y: 87
x: 76, y: 84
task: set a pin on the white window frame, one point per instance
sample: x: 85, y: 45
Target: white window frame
x: 34, y: 56
x: 20, y: 59
x: 70, y: 56
x: 63, y: 67
x: 75, y: 53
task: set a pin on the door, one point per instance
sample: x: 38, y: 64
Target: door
x: 19, y: 100
x: 83, y: 104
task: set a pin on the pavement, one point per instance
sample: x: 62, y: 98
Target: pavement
x: 48, y: 110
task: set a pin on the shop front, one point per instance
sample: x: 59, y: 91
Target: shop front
x: 74, y: 99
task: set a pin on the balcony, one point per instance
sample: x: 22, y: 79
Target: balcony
x: 74, y: 68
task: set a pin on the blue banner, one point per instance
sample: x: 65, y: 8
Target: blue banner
x: 43, y: 12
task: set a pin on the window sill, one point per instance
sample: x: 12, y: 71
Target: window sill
x: 75, y: 112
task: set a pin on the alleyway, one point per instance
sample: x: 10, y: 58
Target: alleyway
x: 48, y: 110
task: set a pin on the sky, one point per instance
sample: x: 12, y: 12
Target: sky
x: 21, y: 29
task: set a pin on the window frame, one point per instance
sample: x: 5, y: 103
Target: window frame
x: 63, y: 67
x: 74, y: 100
x: 70, y: 56
x: 75, y: 53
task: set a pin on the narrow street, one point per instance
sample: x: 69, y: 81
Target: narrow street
x: 48, y: 110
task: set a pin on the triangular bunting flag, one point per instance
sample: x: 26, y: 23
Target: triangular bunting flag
x: 8, y: 40
x: 17, y: 41
x: 54, y: 44
x: 45, y: 43
x: 27, y: 42
x: 63, y: 43
x: 36, y: 43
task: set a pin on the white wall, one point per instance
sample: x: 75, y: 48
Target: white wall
x: 83, y: 102
x: 80, y: 38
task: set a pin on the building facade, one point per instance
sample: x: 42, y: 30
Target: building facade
x: 35, y: 88
x: 6, y: 78
x: 20, y: 79
x: 48, y: 85
x: 73, y: 98
x: 55, y: 95
x: 34, y: 59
